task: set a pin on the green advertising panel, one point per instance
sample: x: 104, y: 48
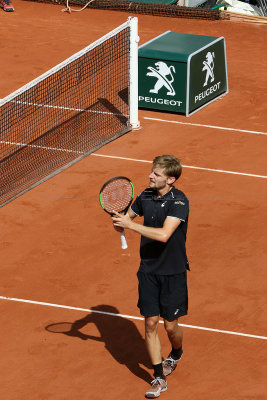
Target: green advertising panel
x: 160, y: 86
x: 207, y: 75
x: 180, y: 72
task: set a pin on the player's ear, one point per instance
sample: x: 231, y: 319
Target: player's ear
x: 171, y: 180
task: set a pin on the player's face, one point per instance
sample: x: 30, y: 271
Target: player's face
x: 158, y: 180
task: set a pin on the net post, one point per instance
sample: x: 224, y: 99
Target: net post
x: 133, y: 73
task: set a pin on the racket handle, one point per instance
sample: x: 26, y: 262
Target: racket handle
x: 123, y: 240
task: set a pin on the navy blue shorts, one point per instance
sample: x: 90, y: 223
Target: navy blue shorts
x: 164, y: 295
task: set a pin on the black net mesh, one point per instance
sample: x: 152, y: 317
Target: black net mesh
x: 164, y: 10
x: 64, y: 117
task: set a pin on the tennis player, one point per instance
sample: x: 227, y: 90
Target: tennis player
x: 162, y: 274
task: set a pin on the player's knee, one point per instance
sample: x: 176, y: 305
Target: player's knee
x: 170, y: 327
x: 151, y: 324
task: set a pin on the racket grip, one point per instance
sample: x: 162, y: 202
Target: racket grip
x: 123, y: 240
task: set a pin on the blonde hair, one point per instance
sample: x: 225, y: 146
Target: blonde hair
x: 172, y: 165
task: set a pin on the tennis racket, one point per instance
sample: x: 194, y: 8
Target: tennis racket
x: 117, y: 195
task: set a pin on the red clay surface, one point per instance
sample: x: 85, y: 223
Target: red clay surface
x: 57, y: 246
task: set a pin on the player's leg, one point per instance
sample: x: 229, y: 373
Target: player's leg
x: 148, y: 303
x: 152, y: 340
x: 174, y: 332
x: 174, y: 304
x: 153, y: 345
x: 175, y: 335
x: 148, y: 289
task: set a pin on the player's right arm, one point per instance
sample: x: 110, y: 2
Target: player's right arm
x: 160, y: 234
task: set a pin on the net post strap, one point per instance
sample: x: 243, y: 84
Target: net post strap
x: 69, y: 10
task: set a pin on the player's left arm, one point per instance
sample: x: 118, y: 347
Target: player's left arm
x: 129, y: 214
x: 160, y: 234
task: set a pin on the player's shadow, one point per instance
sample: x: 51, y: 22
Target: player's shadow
x: 120, y: 336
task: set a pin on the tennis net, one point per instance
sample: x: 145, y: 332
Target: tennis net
x: 149, y: 7
x: 69, y: 112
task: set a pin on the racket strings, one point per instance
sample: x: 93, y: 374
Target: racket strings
x: 117, y: 195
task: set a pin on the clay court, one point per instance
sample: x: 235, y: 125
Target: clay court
x: 70, y: 326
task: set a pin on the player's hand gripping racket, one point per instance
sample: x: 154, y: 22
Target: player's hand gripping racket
x: 117, y: 195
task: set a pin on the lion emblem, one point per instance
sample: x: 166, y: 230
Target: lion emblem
x: 208, y: 67
x: 164, y: 75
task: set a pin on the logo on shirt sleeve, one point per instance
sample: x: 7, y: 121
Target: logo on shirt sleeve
x: 180, y: 202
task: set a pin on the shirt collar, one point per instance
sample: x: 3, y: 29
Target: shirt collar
x: 167, y: 196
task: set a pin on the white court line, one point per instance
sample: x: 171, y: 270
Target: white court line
x: 66, y: 108
x: 41, y: 147
x: 206, y: 126
x: 184, y: 166
x: 40, y: 303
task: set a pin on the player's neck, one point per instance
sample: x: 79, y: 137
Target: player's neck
x: 163, y: 191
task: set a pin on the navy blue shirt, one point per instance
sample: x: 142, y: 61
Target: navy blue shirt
x: 156, y: 257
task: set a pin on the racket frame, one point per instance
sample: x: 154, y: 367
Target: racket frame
x: 122, y: 234
x: 123, y: 211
